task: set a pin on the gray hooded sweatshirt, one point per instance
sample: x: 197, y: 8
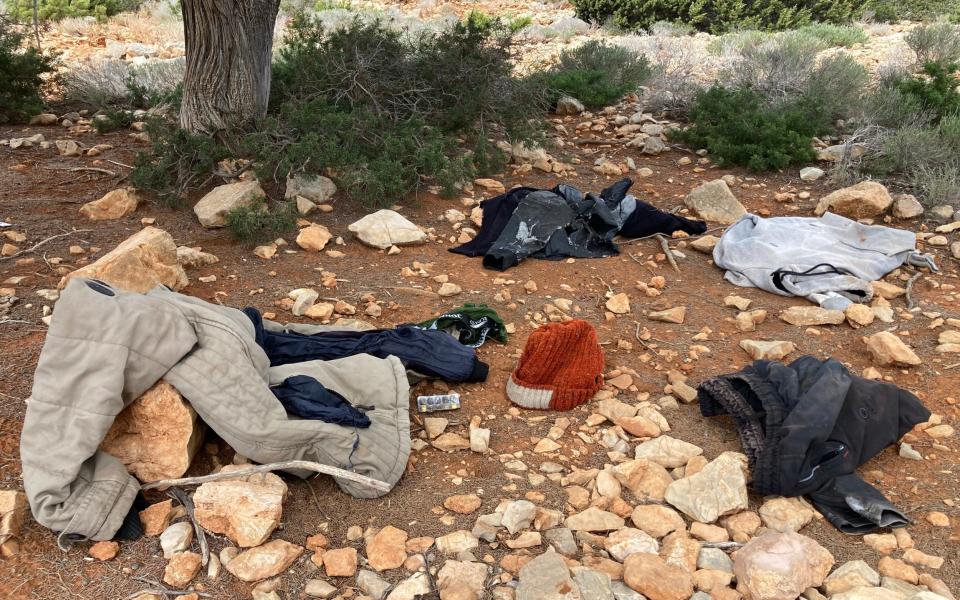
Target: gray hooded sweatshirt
x: 105, y: 347
x: 829, y: 260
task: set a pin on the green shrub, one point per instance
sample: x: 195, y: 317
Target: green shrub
x: 718, y: 16
x: 596, y: 73
x: 177, y: 163
x: 911, y: 10
x: 382, y: 112
x: 21, y: 74
x: 736, y: 41
x: 938, y: 43
x: 787, y: 66
x: 739, y: 127
x: 835, y: 36
x: 257, y: 222
x: 937, y: 184
x: 515, y: 24
x: 935, y: 89
x: 55, y: 10
x: 112, y: 120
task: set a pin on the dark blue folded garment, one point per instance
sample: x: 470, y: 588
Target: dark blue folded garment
x: 307, y: 398
x: 430, y: 353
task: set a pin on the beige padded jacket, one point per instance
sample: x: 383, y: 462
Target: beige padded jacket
x: 105, y: 347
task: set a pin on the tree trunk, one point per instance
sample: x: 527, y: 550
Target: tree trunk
x: 229, y: 46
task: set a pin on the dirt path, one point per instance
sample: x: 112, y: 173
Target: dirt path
x: 41, y: 199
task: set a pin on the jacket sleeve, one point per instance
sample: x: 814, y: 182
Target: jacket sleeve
x: 97, y: 358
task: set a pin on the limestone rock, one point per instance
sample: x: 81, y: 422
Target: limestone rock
x: 742, y: 525
x: 518, y: 515
x: 861, y: 201
x: 479, y: 439
x: 314, y: 237
x: 176, y: 538
x: 462, y: 504
x: 805, y: 316
x: 103, y: 551
x: 157, y: 436
x: 888, y: 349
x: 657, y: 520
x: 705, y: 244
x: 456, y: 542
x: 246, y: 510
x: 450, y: 442
x: 181, y: 569
x: 671, y: 315
x: 713, y: 201
x: 318, y: 588
x: 568, y: 105
x: 387, y: 549
x: 810, y: 173
x: 448, y: 289
x: 140, y: 263
x: 884, y: 543
x: 850, y: 575
x: 315, y: 188
x: 386, y: 228
x: 593, y: 585
x: 191, y: 258
x: 547, y: 577
x: 785, y: 514
x: 655, y: 579
x: 340, y: 562
x: 906, y: 206
x: 212, y: 209
x: 887, y: 291
x: 624, y: 542
x: 114, y: 205
x: 760, y: 350
x: 780, y: 566
x: 410, y: 588
x: 859, y: 315
x: 619, y: 304
x: 667, y: 451
x: 264, y: 561
x: 638, y: 426
x: 720, y: 488
x: 372, y: 584
x: 156, y: 517
x: 593, y: 519
x: 646, y: 480
x: 869, y: 593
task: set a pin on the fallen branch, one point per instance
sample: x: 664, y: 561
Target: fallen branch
x: 304, y: 465
x: 187, y: 503
x: 42, y: 242
x: 162, y: 590
x: 119, y: 164
x: 721, y: 545
x: 94, y: 169
x: 642, y: 342
x: 910, y: 301
x: 668, y: 252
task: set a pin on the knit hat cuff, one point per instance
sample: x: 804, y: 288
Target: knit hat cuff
x: 529, y: 397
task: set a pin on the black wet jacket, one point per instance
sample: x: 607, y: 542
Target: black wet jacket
x: 563, y: 222
x: 807, y: 426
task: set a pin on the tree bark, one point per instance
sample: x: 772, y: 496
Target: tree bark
x: 229, y: 46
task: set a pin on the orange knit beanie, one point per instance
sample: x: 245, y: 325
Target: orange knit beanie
x: 561, y: 367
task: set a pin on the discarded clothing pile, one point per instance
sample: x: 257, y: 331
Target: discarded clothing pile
x: 561, y: 367
x: 829, y: 260
x: 562, y: 222
x: 471, y: 324
x: 806, y: 427
x: 105, y: 347
x: 429, y: 353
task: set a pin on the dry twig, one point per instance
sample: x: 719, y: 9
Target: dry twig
x: 42, y: 242
x: 910, y: 300
x: 668, y: 252
x: 303, y: 465
x: 187, y: 503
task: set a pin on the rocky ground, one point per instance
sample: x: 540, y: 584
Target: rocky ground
x: 631, y: 495
x: 596, y: 484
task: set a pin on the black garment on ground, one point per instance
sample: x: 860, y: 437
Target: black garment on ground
x: 429, y: 353
x: 496, y: 213
x: 307, y: 398
x: 807, y: 426
x: 132, y: 527
x: 562, y: 222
